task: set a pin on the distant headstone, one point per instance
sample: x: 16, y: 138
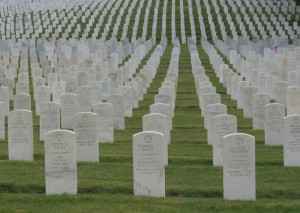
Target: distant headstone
x: 239, y: 167
x: 60, y: 162
x: 274, y: 128
x: 49, y: 118
x: 105, y: 126
x: 85, y: 128
x: 20, y: 135
x: 291, y: 145
x: 148, y: 164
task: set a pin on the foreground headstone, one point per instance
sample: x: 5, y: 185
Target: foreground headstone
x: 274, y: 128
x: 148, y: 164
x: 49, y: 118
x: 60, y: 162
x: 20, y: 135
x: 239, y: 167
x: 291, y: 145
x: 85, y: 128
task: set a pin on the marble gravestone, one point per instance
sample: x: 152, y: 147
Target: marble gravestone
x: 165, y: 99
x: 49, y: 118
x: 164, y: 109
x: 274, y: 128
x: 60, y: 162
x: 239, y: 167
x: 212, y: 111
x: 20, y: 135
x: 118, y: 110
x: 259, y: 100
x: 158, y: 123
x: 22, y: 101
x: 69, y: 107
x: 105, y: 126
x: 84, y: 99
x: 291, y: 147
x: 126, y: 91
x: 148, y: 164
x: 85, y: 128
x: 4, y: 98
x: 2, y: 122
x: 247, y: 101
x: 293, y: 100
x: 221, y: 125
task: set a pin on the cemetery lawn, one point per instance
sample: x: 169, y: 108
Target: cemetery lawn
x: 192, y: 183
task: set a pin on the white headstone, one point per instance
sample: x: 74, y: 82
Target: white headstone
x: 84, y: 99
x: 60, y: 162
x: 212, y: 111
x: 126, y: 91
x: 291, y: 145
x: 4, y: 97
x: 49, y: 118
x: 239, y: 167
x: 105, y: 126
x: 22, y: 101
x: 118, y: 110
x: 293, y: 100
x: 20, y: 135
x: 164, y: 109
x: 221, y: 125
x: 148, y: 164
x: 85, y: 128
x: 247, y: 101
x: 2, y: 122
x: 158, y: 123
x: 274, y: 128
x: 69, y: 107
x: 258, y: 103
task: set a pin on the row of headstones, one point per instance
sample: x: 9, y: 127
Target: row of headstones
x: 279, y: 130
x: 69, y: 85
x: 247, y: 19
x: 234, y: 151
x: 38, y: 25
x: 150, y: 147
x: 54, y: 26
